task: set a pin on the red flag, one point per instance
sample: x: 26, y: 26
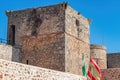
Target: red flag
x: 94, y: 72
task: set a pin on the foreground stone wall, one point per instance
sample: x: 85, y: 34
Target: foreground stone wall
x: 111, y: 74
x: 98, y: 53
x: 113, y: 60
x: 17, y: 71
x: 7, y: 52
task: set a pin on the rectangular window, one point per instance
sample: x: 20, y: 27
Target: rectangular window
x: 11, y: 39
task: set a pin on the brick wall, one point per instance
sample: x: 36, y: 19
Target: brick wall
x: 17, y: 71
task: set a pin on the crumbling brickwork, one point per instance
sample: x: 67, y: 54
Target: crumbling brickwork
x: 52, y: 37
x: 113, y: 60
x: 98, y: 53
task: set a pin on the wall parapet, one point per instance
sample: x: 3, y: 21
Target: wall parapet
x: 17, y: 71
x: 95, y: 46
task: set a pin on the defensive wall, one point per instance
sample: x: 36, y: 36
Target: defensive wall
x: 17, y: 71
x: 111, y: 74
x: 113, y: 60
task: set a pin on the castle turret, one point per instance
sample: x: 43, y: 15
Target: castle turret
x: 98, y: 53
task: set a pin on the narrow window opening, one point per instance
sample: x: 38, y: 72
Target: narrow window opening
x: 77, y: 22
x: 26, y: 61
x: 108, y: 65
x: 66, y: 5
x: 12, y: 35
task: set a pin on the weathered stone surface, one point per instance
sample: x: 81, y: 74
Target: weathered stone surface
x: 39, y: 32
x: 76, y: 41
x: 51, y: 37
x: 46, y: 51
x: 98, y: 53
x: 36, y: 21
x: 77, y: 25
x: 7, y: 52
x: 74, y: 49
x: 113, y: 60
x: 17, y: 71
x: 111, y: 74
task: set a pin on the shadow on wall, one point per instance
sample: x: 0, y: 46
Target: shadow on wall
x: 16, y: 54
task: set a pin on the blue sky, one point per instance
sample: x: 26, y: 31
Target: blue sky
x: 105, y: 15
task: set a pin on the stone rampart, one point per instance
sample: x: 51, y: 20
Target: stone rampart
x: 111, y: 74
x: 113, y: 60
x: 17, y: 71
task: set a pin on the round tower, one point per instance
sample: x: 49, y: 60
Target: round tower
x: 98, y: 53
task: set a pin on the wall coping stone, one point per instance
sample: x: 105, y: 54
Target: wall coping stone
x: 95, y: 46
x: 6, y: 67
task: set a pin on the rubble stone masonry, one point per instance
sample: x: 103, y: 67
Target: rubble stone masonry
x: 40, y: 33
x: 17, y: 71
x: 53, y: 37
x: 113, y: 60
x: 76, y: 41
x: 98, y: 53
x: 111, y: 74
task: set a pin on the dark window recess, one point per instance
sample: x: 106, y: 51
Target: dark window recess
x: 108, y: 65
x: 66, y: 5
x: 77, y: 22
x: 26, y: 61
x: 11, y: 39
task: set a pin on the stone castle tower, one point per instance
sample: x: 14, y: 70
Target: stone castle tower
x: 98, y: 53
x: 53, y: 37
